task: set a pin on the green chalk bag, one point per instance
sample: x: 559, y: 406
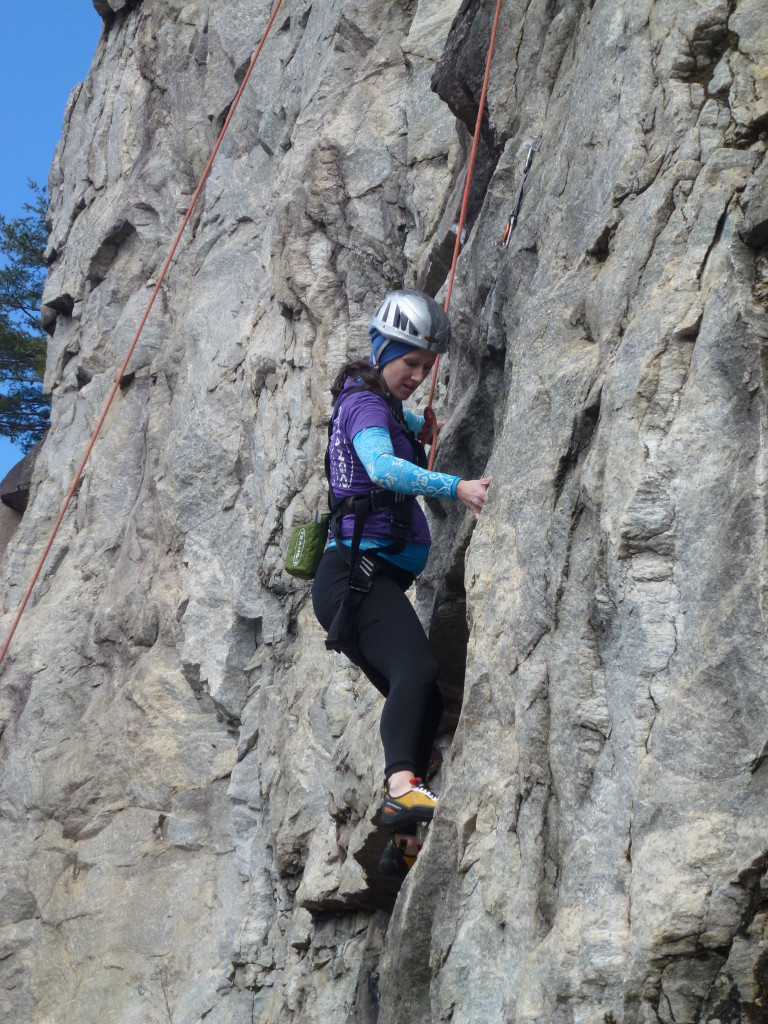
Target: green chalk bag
x: 306, y: 546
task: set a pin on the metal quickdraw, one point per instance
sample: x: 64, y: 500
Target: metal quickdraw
x: 533, y: 147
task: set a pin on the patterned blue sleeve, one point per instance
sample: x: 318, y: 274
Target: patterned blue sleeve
x: 413, y: 419
x: 374, y: 449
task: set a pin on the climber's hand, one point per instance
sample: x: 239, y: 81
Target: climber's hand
x: 474, y: 493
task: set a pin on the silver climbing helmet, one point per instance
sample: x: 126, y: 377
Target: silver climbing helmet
x: 414, y: 318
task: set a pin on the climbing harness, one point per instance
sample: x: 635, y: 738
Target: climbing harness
x: 123, y: 368
x: 363, y: 568
x: 533, y: 146
x: 429, y: 414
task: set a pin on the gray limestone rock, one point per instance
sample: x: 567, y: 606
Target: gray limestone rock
x: 755, y: 227
x: 190, y: 781
x: 109, y: 8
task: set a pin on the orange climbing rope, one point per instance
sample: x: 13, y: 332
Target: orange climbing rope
x: 161, y: 278
x: 429, y: 414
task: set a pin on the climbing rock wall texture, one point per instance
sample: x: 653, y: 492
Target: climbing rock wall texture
x: 189, y: 781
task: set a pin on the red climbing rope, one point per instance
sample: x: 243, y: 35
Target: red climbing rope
x: 136, y: 337
x: 429, y: 414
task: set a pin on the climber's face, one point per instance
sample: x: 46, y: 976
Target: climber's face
x: 403, y: 375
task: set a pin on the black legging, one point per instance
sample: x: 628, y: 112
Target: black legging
x: 394, y: 653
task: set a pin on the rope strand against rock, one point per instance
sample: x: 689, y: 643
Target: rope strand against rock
x: 123, y: 368
x: 429, y: 415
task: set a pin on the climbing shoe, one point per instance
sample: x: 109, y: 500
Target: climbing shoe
x: 418, y: 804
x: 394, y: 861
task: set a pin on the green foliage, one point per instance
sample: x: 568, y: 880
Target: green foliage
x: 24, y: 409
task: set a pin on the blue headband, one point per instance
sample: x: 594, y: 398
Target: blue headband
x: 386, y: 349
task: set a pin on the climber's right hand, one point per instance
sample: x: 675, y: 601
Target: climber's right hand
x: 474, y: 493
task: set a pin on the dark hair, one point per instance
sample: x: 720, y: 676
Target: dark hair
x: 359, y: 369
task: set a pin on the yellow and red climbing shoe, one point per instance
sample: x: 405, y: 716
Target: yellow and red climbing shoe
x: 418, y: 804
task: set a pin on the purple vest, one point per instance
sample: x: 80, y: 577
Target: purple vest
x: 348, y: 476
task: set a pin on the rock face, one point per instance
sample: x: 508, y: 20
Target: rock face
x: 188, y: 779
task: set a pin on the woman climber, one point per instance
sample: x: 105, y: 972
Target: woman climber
x: 380, y: 543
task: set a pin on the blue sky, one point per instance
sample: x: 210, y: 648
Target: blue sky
x: 47, y: 49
